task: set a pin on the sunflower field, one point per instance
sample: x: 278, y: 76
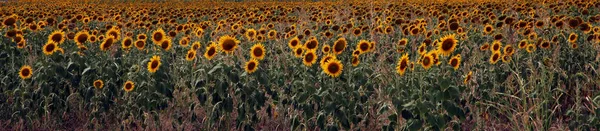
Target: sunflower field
x: 300, y: 65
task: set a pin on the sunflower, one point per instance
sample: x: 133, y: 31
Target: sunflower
x: 427, y: 61
x: 141, y: 37
x: 128, y: 86
x: 251, y: 66
x: 355, y: 60
x: 455, y: 62
x: 326, y: 59
x: 488, y: 29
x: 509, y: 50
x: 158, y: 36
x: 506, y: 58
x: 21, y: 44
x: 298, y: 52
x: 25, y: 72
x: 496, y: 46
x: 448, y: 44
x: 484, y: 47
x: 356, y: 31
x: 272, y: 34
x: 98, y: 84
x: 356, y: 52
x: 326, y: 49
x: 154, y: 64
x: 403, y: 63
x: 127, y: 43
x: 574, y: 45
x: 139, y: 44
x: 184, y: 41
x: 113, y: 32
x: 372, y: 47
x: 339, y: 46
x: 49, y: 48
x: 196, y: 45
x: 257, y: 51
x: 363, y: 46
x: 57, y: 37
x: 228, y: 44
x: 165, y: 44
x: 523, y: 44
x: 468, y: 77
x: 545, y: 45
x: 309, y: 58
x: 93, y: 38
x: 10, y: 21
x: 312, y: 44
x: 530, y: 48
x: 81, y: 37
x: 294, y: 43
x: 191, y: 55
x: 403, y: 42
x: 422, y: 49
x: 333, y: 68
x: 495, y: 57
x: 572, y: 37
x: 211, y: 51
x: 107, y: 43
x: 250, y: 34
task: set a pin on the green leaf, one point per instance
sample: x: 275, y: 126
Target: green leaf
x: 219, y: 66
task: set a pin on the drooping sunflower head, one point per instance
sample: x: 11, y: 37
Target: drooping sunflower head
x: 363, y: 46
x: 81, y: 37
x: 251, y: 66
x: 57, y: 36
x: 294, y: 43
x: 468, y: 77
x: 25, y: 72
x: 211, y: 51
x: 455, y: 62
x: 447, y: 45
x: 99, y: 84
x: 228, y: 44
x: 154, y: 64
x: 484, y: 47
x: 495, y: 57
x: 339, y: 46
x: 402, y: 65
x: 309, y: 58
x: 128, y: 86
x: 158, y: 36
x: 257, y: 51
x: 333, y: 68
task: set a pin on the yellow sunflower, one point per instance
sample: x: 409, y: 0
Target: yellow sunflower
x: 403, y: 63
x: 294, y: 43
x: 81, y: 37
x: 127, y: 43
x: 128, y: 86
x: 339, y: 46
x: 184, y: 41
x: 228, y: 44
x: 257, y: 51
x: 312, y: 44
x: 191, y: 55
x: 447, y: 45
x: 158, y: 36
x: 251, y: 66
x: 154, y: 64
x: 196, y: 45
x: 49, y: 48
x: 309, y: 58
x: 427, y: 61
x: 468, y: 77
x: 57, y: 37
x: 107, y: 43
x: 572, y: 37
x: 495, y: 57
x: 496, y: 46
x: 355, y: 61
x: 25, y: 72
x: 455, y: 61
x: 98, y: 84
x: 140, y: 44
x: 250, y: 34
x: 326, y: 49
x: 211, y: 51
x: 114, y: 32
x: 363, y: 46
x: 530, y: 48
x: 165, y: 44
x: 333, y: 68
x: 298, y: 52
